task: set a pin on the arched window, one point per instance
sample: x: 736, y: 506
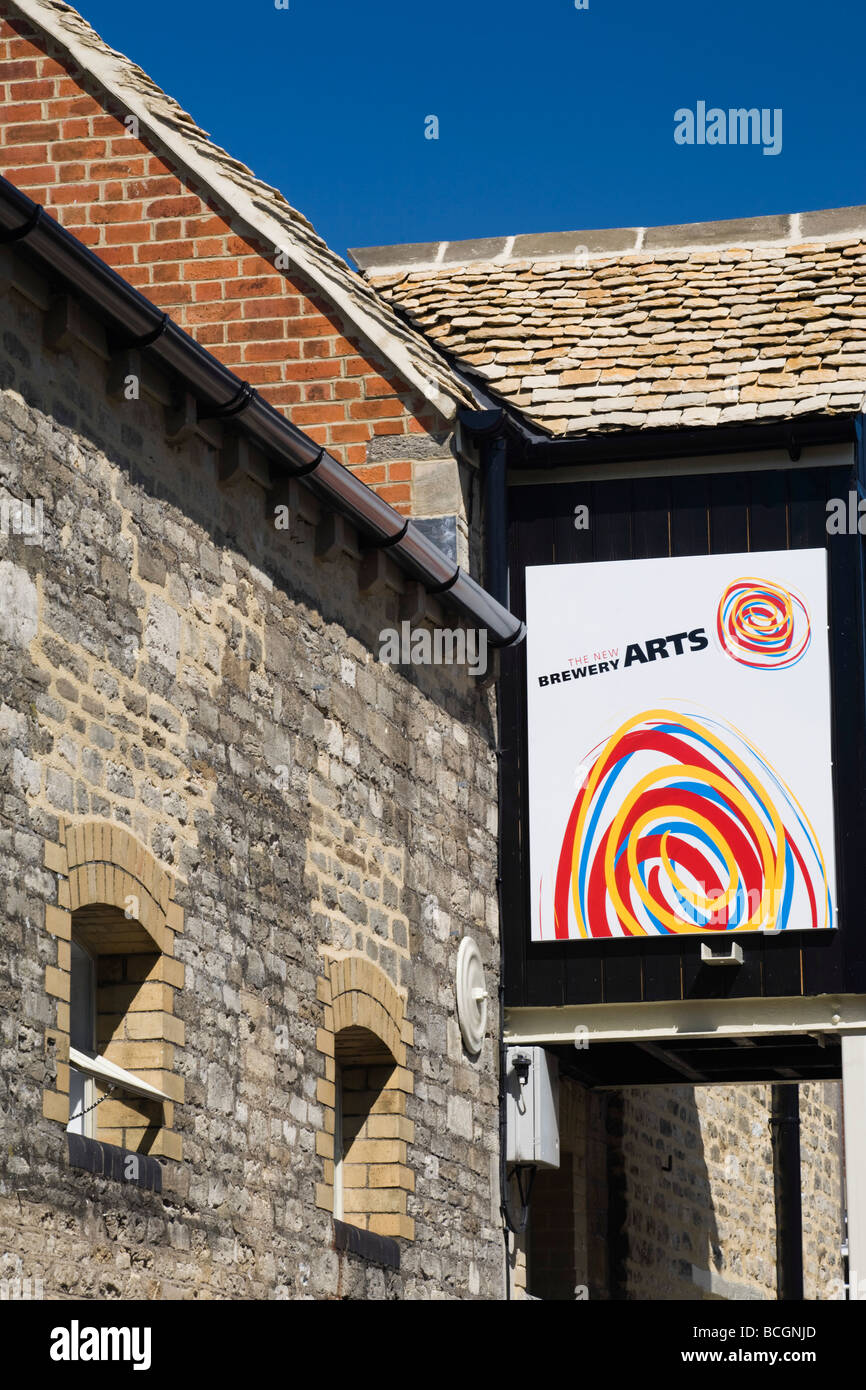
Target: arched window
x: 367, y: 1080
x: 115, y: 1037
x: 114, y: 986
x: 367, y: 1166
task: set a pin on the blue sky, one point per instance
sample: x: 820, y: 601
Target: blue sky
x: 550, y: 118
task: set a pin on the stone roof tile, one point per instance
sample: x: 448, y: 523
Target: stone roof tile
x: 761, y: 324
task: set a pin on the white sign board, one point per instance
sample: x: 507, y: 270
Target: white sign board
x: 679, y: 746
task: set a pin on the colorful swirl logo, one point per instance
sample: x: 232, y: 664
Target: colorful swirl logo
x: 681, y: 826
x: 763, y: 625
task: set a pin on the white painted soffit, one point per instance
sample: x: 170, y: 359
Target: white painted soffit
x: 678, y: 1019
x: 255, y: 205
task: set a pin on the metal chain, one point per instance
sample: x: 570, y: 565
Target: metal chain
x: 111, y: 1087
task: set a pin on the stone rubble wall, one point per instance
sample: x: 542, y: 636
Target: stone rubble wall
x: 172, y: 663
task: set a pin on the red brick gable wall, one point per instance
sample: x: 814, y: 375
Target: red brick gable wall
x: 61, y: 145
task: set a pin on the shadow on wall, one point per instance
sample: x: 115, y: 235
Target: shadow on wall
x: 667, y: 1193
x: 662, y: 1196
x: 695, y: 1198
x: 663, y: 1193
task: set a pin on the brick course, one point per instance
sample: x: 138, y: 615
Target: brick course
x: 61, y: 146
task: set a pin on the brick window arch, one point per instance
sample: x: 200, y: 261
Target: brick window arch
x: 117, y: 904
x: 367, y: 1081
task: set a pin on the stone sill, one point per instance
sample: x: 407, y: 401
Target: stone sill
x: 380, y: 1250
x: 110, y: 1161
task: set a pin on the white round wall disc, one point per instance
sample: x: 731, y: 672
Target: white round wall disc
x: 471, y: 995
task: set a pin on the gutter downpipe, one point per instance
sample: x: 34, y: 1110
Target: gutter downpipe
x: 785, y: 1127
x: 222, y: 394
x: 488, y: 429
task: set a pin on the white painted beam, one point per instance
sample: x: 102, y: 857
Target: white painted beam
x: 691, y: 1018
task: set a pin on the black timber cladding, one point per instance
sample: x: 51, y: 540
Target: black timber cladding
x: 698, y: 1061
x: 639, y: 518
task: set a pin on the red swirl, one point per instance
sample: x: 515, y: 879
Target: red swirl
x: 762, y: 625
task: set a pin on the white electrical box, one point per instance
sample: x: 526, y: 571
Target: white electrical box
x: 531, y: 1107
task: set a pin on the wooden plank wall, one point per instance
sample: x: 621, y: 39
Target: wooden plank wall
x: 689, y: 515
